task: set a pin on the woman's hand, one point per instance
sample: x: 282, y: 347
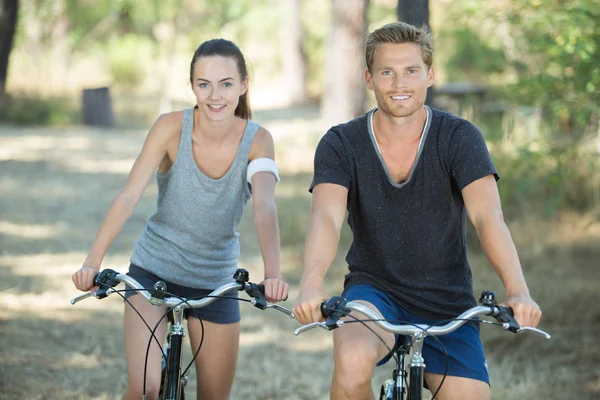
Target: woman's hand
x: 275, y: 289
x: 84, y: 278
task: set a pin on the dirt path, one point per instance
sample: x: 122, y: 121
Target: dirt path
x: 57, y: 184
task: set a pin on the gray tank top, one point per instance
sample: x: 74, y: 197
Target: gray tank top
x: 191, y: 239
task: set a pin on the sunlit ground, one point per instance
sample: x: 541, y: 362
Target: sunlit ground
x: 56, y: 185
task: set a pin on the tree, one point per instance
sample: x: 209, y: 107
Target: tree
x: 550, y: 54
x: 345, y: 92
x: 8, y: 26
x: 293, y: 57
x: 416, y: 12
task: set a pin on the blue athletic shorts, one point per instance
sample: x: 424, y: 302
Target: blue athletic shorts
x: 465, y: 350
x: 221, y: 311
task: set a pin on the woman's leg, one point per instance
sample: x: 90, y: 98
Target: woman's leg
x: 137, y: 336
x: 217, y: 359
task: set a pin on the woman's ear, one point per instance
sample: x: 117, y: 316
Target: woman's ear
x: 244, y: 86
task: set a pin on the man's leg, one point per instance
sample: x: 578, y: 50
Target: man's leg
x: 356, y: 351
x: 467, y: 376
x: 455, y: 387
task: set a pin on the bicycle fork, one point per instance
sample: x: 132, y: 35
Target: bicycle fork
x: 395, y: 388
x: 173, y: 381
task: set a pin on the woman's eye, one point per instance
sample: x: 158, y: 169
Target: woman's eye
x: 203, y: 85
x: 227, y: 84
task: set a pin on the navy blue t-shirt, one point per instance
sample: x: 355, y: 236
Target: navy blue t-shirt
x: 409, y: 238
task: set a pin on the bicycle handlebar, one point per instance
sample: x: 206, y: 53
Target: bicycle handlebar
x: 337, y: 307
x: 108, y: 279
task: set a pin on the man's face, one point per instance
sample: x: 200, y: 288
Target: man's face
x: 400, y: 78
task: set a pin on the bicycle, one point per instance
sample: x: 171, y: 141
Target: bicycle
x: 410, y: 384
x: 173, y: 381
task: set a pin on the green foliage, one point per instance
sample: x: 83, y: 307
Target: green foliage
x: 561, y: 64
x: 543, y: 182
x: 472, y: 59
x: 34, y: 110
x: 552, y: 50
x: 128, y: 56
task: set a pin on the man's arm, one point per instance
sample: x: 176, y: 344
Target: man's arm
x: 482, y: 202
x: 320, y: 247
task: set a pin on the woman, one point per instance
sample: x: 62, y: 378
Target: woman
x: 210, y: 160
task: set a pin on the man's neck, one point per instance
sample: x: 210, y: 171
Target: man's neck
x: 392, y: 129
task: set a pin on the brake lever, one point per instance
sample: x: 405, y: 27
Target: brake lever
x: 324, y: 325
x: 82, y: 297
x: 282, y: 309
x: 535, y: 330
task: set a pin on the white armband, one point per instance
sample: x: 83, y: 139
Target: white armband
x: 262, y: 165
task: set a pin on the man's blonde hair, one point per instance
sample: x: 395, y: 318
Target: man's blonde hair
x: 398, y: 33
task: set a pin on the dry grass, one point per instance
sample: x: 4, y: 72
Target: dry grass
x: 56, y: 185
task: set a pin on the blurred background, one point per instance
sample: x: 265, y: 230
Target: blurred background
x: 81, y: 82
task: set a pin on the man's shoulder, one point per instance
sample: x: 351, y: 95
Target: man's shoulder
x: 350, y: 129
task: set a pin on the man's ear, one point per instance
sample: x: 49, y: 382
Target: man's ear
x: 430, y: 76
x: 369, y: 79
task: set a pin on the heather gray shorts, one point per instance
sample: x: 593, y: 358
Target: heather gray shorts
x: 221, y: 311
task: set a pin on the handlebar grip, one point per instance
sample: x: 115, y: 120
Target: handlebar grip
x: 334, y: 308
x: 106, y: 277
x: 506, y: 310
x: 261, y: 289
x: 506, y: 315
x: 105, y: 280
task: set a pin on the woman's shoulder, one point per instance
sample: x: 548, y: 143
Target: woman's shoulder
x: 171, y: 119
x: 168, y: 124
x: 262, y: 144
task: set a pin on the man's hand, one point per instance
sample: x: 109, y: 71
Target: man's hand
x: 527, y: 312
x: 275, y: 290
x: 307, y: 308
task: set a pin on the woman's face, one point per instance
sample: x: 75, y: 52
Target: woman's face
x: 217, y: 85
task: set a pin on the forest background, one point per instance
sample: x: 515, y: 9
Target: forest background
x: 527, y: 72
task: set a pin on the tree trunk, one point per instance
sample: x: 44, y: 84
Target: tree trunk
x: 60, y: 49
x: 8, y: 26
x: 293, y: 58
x: 345, y: 89
x: 416, y: 12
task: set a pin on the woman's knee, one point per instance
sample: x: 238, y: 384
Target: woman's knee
x: 136, y: 389
x: 212, y: 392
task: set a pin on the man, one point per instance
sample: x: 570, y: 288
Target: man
x: 408, y: 176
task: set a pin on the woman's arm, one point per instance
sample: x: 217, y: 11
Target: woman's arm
x: 265, y: 217
x: 122, y: 207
